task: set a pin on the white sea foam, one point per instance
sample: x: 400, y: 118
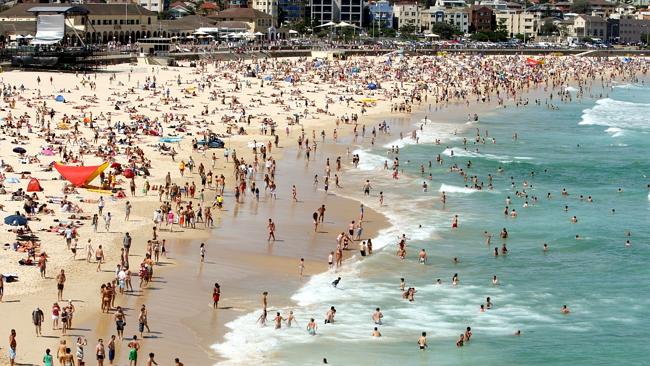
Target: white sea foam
x: 430, y: 133
x: 461, y: 152
x: 616, y: 113
x: 630, y: 86
x: 570, y: 89
x: 369, y: 161
x: 615, y: 131
x: 456, y: 190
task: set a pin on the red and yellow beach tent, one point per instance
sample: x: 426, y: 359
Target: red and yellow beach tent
x: 80, y: 176
x: 34, y: 186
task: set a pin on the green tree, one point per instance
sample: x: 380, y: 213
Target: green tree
x: 480, y: 37
x: 445, y: 30
x: 408, y: 29
x: 501, y: 31
x: 387, y: 32
x: 548, y: 28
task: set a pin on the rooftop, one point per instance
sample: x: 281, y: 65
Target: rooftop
x: 28, y: 10
x: 240, y: 13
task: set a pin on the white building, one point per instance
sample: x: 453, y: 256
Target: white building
x: 407, y: 13
x: 325, y: 11
x: 518, y: 23
x: 455, y: 13
x: 269, y: 7
x: 153, y: 5
x: 458, y: 17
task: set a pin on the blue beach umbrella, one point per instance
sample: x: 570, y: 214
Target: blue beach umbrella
x: 16, y: 220
x: 372, y: 86
x: 60, y: 98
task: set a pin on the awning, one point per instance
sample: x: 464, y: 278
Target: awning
x: 50, y: 29
x: 80, y: 175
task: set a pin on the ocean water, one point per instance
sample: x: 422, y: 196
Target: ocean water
x: 592, y: 147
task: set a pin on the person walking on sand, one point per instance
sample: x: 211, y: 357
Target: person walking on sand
x: 100, y: 352
x: 120, y: 321
x: 48, y: 360
x: 127, y: 211
x: 99, y: 256
x: 107, y: 221
x: 37, y: 318
x: 134, y: 347
x: 216, y: 295
x: 60, y: 282
x: 12, y: 347
x: 111, y: 350
x: 126, y: 242
x: 150, y: 360
x: 271, y: 227
x: 143, y: 321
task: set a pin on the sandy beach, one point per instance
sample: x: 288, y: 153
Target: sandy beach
x: 129, y: 108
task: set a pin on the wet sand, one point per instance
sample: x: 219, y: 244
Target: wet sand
x: 240, y: 259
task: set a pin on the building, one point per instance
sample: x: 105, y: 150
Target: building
x: 208, y: 8
x: 517, y: 22
x: 454, y: 12
x: 458, y: 17
x: 590, y: 26
x: 325, y: 11
x: 237, y: 4
x: 179, y: 9
x: 351, y: 11
x: 104, y: 23
x: 293, y: 10
x: 381, y: 14
x: 428, y: 17
x: 628, y: 29
x: 497, y: 5
x: 322, y: 11
x: 406, y: 13
x: 602, y: 8
x: 256, y: 20
x: 269, y: 7
x: 481, y: 19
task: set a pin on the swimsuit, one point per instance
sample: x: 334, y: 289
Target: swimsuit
x: 133, y: 354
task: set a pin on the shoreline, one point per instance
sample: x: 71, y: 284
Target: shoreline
x: 241, y: 257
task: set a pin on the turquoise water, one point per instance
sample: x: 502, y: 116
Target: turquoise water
x: 590, y: 147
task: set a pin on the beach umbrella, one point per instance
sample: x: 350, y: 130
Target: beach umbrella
x: 47, y: 152
x: 59, y: 98
x: 372, y: 86
x: 328, y: 24
x: 19, y: 150
x: 116, y: 165
x: 16, y: 220
x: 128, y: 173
